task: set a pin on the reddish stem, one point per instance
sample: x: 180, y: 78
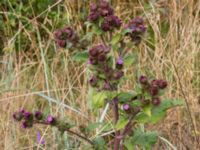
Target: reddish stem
x: 116, y: 117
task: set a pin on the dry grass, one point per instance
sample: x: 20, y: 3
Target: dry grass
x: 25, y: 75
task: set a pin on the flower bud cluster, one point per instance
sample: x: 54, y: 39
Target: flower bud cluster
x: 152, y: 87
x: 28, y: 118
x: 65, y: 36
x: 105, y: 76
x: 98, y: 54
x: 137, y: 29
x: 102, y: 10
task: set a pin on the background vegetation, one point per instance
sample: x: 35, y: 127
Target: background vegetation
x: 36, y: 74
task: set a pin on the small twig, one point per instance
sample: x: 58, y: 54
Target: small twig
x: 72, y: 132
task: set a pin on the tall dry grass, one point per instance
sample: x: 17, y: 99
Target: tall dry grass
x: 32, y: 80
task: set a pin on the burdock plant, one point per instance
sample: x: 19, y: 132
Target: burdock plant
x: 107, y: 62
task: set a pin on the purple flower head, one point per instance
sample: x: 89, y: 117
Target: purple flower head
x: 61, y: 43
x: 118, y: 75
x: 28, y: 116
x: 107, y: 69
x: 142, y: 28
x: 155, y: 82
x: 105, y: 26
x: 97, y: 54
x: 145, y: 101
x: 107, y: 86
x: 143, y: 80
x: 162, y: 84
x: 38, y: 115
x: 26, y: 124
x: 65, y: 35
x: 153, y: 90
x: 104, y: 12
x: 93, y: 81
x: 51, y: 120
x: 137, y: 28
x: 102, y: 57
x: 114, y: 21
x: 93, y: 7
x: 40, y: 140
x: 104, y: 4
x: 93, y: 52
x: 126, y: 107
x: 22, y: 111
x: 138, y: 20
x: 18, y: 116
x: 93, y: 16
x: 89, y: 62
x: 156, y: 101
x: 120, y: 61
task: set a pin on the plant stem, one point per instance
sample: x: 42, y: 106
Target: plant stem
x: 72, y: 132
x: 116, y: 117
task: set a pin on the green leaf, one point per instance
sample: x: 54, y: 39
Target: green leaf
x: 116, y: 39
x: 147, y: 110
x: 99, y: 143
x: 121, y: 123
x: 166, y: 104
x: 157, y: 116
x: 136, y: 103
x: 99, y: 99
x: 128, y: 144
x: 142, y: 117
x: 125, y: 31
x: 144, y: 139
x: 130, y: 59
x: 81, y: 56
x: 93, y: 126
x: 97, y: 30
x: 126, y: 96
x: 159, y: 112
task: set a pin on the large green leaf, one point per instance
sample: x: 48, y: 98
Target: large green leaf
x: 157, y: 112
x: 142, y: 117
x: 128, y: 144
x: 144, y: 139
x: 126, y: 96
